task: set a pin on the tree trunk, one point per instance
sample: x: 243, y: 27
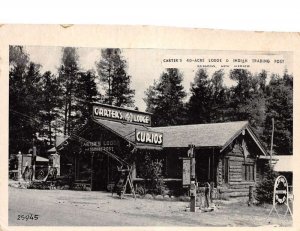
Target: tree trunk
x: 50, y: 132
x: 66, y: 115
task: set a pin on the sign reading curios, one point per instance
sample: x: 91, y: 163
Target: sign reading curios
x: 148, y: 137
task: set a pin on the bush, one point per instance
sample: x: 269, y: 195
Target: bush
x: 264, y: 189
x: 152, y: 172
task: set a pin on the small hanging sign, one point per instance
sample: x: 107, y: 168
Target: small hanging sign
x: 186, y: 172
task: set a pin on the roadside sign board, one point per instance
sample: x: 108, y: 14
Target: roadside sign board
x: 108, y: 112
x: 280, y: 190
x: 281, y: 195
x: 186, y: 172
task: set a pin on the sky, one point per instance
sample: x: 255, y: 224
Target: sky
x: 146, y: 65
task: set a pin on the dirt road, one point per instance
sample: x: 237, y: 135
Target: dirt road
x: 83, y: 208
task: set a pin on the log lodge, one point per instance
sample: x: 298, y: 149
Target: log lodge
x: 226, y: 154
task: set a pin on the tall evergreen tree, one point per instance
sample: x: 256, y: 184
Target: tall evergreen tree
x: 165, y: 99
x: 280, y: 107
x: 209, y: 99
x: 86, y: 93
x: 112, y: 71
x: 199, y: 105
x: 220, y: 97
x: 24, y: 99
x: 51, y: 98
x: 247, y: 98
x: 68, y: 76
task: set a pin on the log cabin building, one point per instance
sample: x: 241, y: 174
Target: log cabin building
x: 227, y: 154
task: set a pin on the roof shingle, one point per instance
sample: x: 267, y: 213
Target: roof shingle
x: 200, y: 135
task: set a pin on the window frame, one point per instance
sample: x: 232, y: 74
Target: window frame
x: 248, y: 172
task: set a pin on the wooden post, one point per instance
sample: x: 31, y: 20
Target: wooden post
x: 92, y: 170
x: 193, y: 190
x: 193, y: 197
x: 250, y: 202
x: 212, y: 185
x: 213, y: 165
x: 208, y: 176
x: 20, y: 163
x: 271, y: 151
x: 33, y: 160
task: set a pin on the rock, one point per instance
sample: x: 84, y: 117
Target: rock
x: 184, y: 198
x: 167, y: 198
x: 148, y: 196
x: 66, y: 187
x: 159, y: 197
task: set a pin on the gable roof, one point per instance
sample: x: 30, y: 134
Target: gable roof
x: 125, y: 130
x: 200, y: 135
x: 218, y: 135
x: 206, y: 135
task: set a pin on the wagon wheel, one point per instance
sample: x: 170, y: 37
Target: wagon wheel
x: 40, y: 174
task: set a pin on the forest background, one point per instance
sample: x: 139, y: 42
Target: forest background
x: 44, y: 105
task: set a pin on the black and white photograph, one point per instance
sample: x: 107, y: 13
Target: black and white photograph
x: 114, y: 136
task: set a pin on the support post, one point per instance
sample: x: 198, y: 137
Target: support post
x: 20, y: 160
x: 250, y: 202
x: 193, y: 196
x: 271, y: 151
x: 212, y: 186
x: 193, y: 190
x: 33, y: 160
x: 92, y: 171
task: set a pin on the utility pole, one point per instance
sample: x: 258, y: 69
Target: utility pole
x: 271, y: 151
x: 33, y: 158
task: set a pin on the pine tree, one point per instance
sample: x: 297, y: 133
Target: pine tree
x: 247, y: 99
x: 24, y: 100
x: 265, y: 188
x: 50, y: 105
x: 220, y: 98
x: 199, y: 105
x: 85, y: 94
x: 112, y: 71
x: 165, y: 99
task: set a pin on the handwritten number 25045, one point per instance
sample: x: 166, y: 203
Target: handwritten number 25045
x: 28, y: 217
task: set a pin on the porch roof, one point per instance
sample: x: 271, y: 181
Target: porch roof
x: 201, y: 135
x: 125, y: 130
x: 205, y: 135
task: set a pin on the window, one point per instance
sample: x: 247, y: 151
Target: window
x: 226, y: 170
x: 248, y: 172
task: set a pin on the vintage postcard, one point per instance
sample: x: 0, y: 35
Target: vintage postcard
x: 116, y: 127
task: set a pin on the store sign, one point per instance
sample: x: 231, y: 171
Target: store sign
x: 148, y: 137
x: 98, y: 146
x: 280, y: 190
x: 121, y: 115
x: 186, y: 172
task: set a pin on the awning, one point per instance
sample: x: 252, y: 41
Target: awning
x: 41, y: 159
x: 126, y: 131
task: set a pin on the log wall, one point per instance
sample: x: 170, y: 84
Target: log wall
x: 236, y: 186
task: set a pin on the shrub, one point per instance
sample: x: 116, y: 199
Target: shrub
x: 264, y: 189
x: 152, y: 173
